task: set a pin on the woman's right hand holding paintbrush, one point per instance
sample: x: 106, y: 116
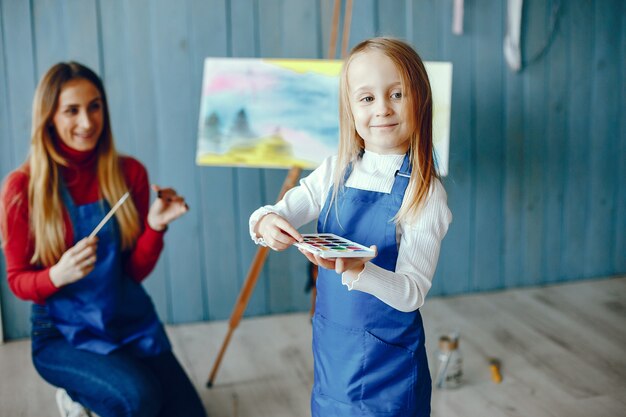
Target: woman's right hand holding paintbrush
x: 75, y: 263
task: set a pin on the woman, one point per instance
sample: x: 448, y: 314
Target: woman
x: 95, y: 332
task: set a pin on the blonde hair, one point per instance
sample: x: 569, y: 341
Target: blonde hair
x: 417, y: 93
x: 44, y: 199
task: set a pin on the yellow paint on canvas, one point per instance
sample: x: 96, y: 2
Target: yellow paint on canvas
x: 320, y: 66
x: 268, y: 152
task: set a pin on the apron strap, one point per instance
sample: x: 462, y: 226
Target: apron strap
x: 68, y: 202
x: 403, y: 175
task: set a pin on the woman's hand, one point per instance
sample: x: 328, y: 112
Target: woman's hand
x: 75, y: 263
x: 277, y: 232
x: 340, y: 265
x: 166, y: 208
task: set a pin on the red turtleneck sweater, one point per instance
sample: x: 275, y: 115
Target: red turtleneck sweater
x: 31, y: 282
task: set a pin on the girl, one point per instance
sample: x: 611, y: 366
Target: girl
x: 95, y: 332
x: 381, y: 190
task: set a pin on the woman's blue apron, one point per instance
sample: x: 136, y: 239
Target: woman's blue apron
x: 105, y: 310
x: 369, y: 358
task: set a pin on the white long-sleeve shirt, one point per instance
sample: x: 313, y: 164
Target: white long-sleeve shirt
x: 419, y: 240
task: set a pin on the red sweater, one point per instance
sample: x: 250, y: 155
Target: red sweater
x: 31, y: 282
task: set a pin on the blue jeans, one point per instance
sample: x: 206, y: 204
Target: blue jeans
x: 115, y: 385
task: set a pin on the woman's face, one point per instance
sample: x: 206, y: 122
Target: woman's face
x: 79, y: 117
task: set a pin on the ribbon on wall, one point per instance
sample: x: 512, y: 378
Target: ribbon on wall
x: 512, y: 49
x: 457, y: 17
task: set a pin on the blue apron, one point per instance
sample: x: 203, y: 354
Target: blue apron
x: 105, y: 310
x: 369, y: 358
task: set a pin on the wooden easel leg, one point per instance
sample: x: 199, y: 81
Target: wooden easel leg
x: 250, y: 282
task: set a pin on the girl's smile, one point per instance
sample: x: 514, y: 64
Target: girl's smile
x: 385, y: 126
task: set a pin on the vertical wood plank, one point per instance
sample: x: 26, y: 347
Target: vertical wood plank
x: 390, y: 18
x: 605, y: 113
x: 427, y: 32
x: 431, y: 48
x: 65, y: 31
x: 488, y: 126
x: 6, y: 162
x: 514, y: 179
x: 210, y: 39
x: 21, y: 79
x: 454, y: 269
x: 534, y: 87
x: 6, y: 145
x: 116, y: 72
x: 176, y: 141
x: 619, y: 260
x: 81, y: 32
x: 555, y: 144
x: 364, y: 22
x: 514, y: 126
x: 49, y: 37
x: 575, y: 215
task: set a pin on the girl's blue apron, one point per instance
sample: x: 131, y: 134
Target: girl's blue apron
x: 369, y: 358
x: 106, y: 310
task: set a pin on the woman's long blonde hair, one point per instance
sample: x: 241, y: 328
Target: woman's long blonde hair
x: 44, y: 199
x: 417, y: 93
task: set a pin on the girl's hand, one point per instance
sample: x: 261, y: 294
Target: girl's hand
x: 340, y: 265
x: 277, y: 232
x: 75, y: 263
x: 166, y: 208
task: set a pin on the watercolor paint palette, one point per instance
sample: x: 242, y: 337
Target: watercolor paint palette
x: 328, y: 245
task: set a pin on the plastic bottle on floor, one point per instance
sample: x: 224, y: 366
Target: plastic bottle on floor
x: 449, y: 362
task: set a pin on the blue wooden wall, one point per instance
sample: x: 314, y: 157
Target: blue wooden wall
x: 537, y: 180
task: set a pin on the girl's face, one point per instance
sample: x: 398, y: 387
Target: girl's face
x: 79, y: 117
x: 375, y: 89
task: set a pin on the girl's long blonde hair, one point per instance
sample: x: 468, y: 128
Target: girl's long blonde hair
x: 44, y: 199
x: 417, y: 93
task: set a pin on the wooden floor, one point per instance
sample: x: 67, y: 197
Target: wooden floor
x: 563, y: 353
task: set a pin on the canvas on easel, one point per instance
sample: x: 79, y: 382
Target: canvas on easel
x: 268, y: 113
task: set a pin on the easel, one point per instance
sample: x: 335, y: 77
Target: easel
x: 290, y: 181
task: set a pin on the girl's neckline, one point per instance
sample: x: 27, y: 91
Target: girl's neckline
x: 370, y: 157
x: 381, y: 163
x: 381, y: 155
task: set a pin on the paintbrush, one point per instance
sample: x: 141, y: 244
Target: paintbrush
x: 109, y: 214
